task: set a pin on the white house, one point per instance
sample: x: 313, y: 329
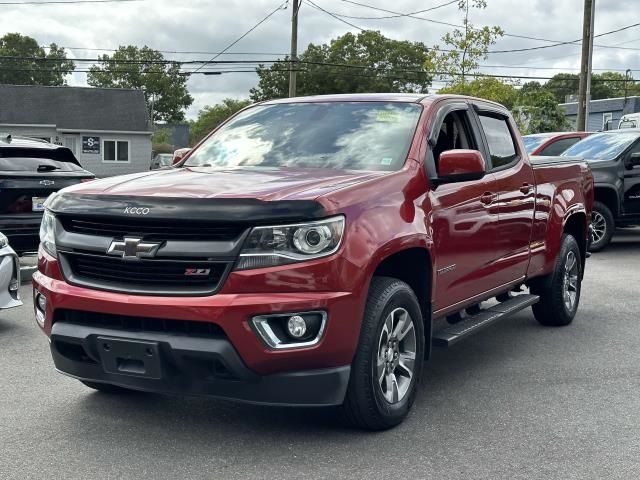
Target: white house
x: 108, y: 129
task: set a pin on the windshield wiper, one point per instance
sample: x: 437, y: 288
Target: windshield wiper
x: 47, y: 168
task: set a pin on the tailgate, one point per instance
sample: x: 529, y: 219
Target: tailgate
x: 25, y: 194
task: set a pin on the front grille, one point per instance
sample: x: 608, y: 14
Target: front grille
x: 139, y: 324
x: 152, y: 230
x: 152, y: 276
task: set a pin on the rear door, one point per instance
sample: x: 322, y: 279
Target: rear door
x: 515, y: 186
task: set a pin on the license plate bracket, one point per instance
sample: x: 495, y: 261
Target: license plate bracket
x: 137, y: 358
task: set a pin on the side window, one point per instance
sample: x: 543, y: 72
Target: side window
x: 502, y: 148
x: 455, y: 133
x: 556, y: 148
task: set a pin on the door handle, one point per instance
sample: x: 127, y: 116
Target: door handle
x: 487, y: 198
x: 526, y: 188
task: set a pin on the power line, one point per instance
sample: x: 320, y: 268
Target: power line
x: 399, y: 15
x: 248, y: 31
x: 317, y: 7
x: 54, y: 2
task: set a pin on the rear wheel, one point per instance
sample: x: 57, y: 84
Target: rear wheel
x: 560, y: 292
x: 106, y: 387
x: 603, y: 225
x: 388, y: 363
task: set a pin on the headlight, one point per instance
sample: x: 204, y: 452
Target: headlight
x: 3, y: 241
x: 280, y: 245
x: 48, y: 233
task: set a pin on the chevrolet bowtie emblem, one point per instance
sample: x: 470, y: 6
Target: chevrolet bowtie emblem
x: 133, y: 249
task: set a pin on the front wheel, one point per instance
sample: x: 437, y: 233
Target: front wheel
x: 603, y: 224
x: 560, y: 292
x: 386, y: 369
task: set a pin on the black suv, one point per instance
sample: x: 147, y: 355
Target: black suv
x: 614, y: 158
x: 30, y: 170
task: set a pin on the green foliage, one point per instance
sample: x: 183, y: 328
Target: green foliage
x: 488, y: 88
x: 47, y: 69
x: 165, y: 89
x: 160, y: 136
x: 603, y: 85
x: 385, y: 66
x: 537, y: 110
x: 210, y: 117
x: 464, y: 48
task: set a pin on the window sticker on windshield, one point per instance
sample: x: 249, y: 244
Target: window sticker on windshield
x: 386, y: 161
x: 391, y: 116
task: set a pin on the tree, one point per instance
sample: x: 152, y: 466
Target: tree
x: 603, y: 85
x: 537, y: 110
x: 488, y: 88
x: 466, y: 48
x: 210, y: 117
x: 376, y: 64
x: 31, y: 64
x: 143, y: 68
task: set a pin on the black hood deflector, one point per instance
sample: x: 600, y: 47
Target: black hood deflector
x: 244, y: 210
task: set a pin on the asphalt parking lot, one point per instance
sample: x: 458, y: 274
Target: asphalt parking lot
x: 516, y: 401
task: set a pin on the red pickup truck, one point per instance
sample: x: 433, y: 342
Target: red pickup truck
x: 310, y: 252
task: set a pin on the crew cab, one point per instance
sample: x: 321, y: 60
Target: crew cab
x: 614, y: 158
x: 30, y: 170
x: 310, y: 251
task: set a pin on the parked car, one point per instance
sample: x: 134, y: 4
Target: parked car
x: 552, y: 144
x: 614, y: 158
x: 30, y: 170
x: 161, y: 160
x: 310, y: 251
x: 179, y: 154
x: 9, y: 275
x: 630, y: 120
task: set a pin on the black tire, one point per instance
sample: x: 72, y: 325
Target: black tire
x: 552, y: 310
x: 365, y: 405
x: 602, y: 219
x: 106, y: 387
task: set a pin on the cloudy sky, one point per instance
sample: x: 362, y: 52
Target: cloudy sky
x: 209, y: 26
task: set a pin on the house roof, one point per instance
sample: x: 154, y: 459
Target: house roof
x: 75, y: 108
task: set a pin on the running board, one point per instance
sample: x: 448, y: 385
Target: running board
x: 451, y: 334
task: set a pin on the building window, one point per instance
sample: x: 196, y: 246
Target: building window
x: 607, y: 120
x: 115, y: 151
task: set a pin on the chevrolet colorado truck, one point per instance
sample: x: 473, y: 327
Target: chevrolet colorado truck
x: 310, y: 252
x: 614, y: 158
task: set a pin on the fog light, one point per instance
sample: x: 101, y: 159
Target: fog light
x: 297, y: 326
x: 41, y: 308
x: 290, y: 330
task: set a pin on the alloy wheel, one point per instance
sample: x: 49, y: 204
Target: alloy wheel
x: 396, y: 358
x: 570, y: 282
x: 599, y: 225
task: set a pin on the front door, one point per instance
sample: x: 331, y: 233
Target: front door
x: 516, y: 191
x: 71, y: 144
x: 464, y: 221
x: 631, y: 205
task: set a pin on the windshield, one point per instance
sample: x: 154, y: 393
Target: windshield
x: 338, y: 135
x: 602, y: 147
x: 15, y: 159
x: 531, y: 142
x: 164, y: 159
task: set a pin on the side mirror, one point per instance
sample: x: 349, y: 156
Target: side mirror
x: 633, y: 161
x: 460, y: 166
x: 179, y: 154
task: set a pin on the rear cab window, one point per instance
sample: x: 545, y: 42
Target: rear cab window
x: 558, y: 147
x: 37, y: 160
x: 502, y: 147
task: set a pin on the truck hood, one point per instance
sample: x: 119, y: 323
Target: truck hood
x: 262, y: 183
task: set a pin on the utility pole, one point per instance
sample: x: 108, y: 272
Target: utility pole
x: 584, y: 94
x: 293, y: 64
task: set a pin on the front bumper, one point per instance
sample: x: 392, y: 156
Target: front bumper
x: 9, y: 275
x: 164, y: 363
